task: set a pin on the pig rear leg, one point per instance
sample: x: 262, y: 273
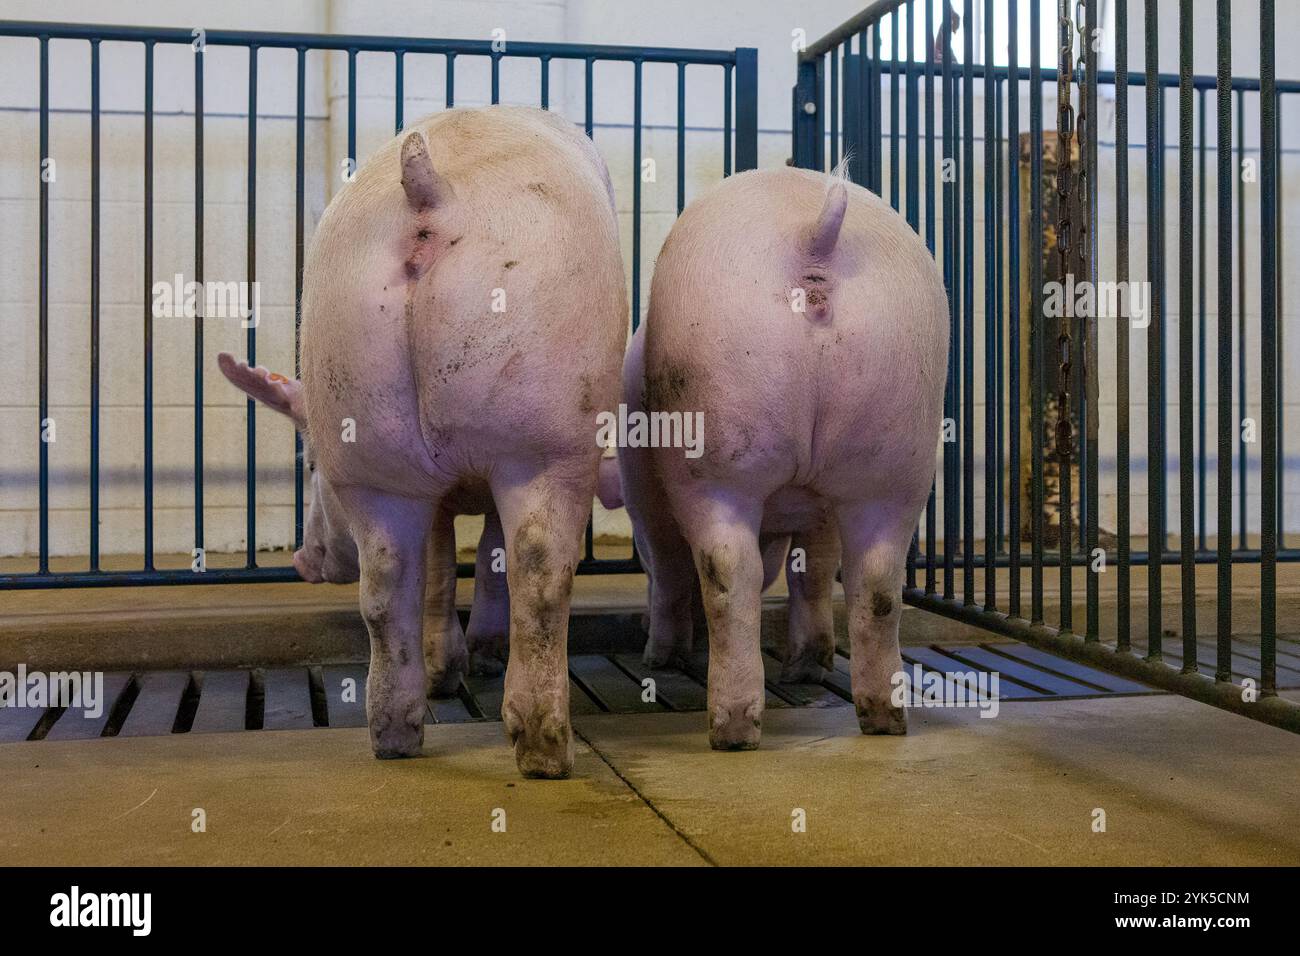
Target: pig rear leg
x: 724, y: 538
x: 445, y: 653
x: 543, y: 516
x: 875, y: 553
x: 672, y: 597
x: 489, y: 617
x: 391, y: 533
x: 810, y: 635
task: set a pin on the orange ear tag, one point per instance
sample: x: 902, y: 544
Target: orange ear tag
x: 277, y: 377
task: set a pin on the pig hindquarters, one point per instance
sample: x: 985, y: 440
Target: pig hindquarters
x: 808, y: 323
x: 463, y: 323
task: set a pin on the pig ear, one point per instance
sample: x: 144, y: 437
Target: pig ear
x: 423, y: 186
x: 609, y: 485
x: 272, y: 390
x: 826, y: 231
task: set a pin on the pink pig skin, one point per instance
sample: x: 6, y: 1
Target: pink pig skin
x: 818, y: 424
x: 460, y: 407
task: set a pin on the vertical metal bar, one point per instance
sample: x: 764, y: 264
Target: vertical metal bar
x: 1091, y: 367
x: 1268, y: 327
x: 853, y: 134
x: 299, y: 259
x: 1155, y: 338
x: 43, y: 319
x: 250, y: 478
x: 399, y: 91
x: 1223, y: 662
x: 931, y: 506
x: 1013, y: 264
x: 990, y: 325
x: 451, y: 81
x: 588, y: 96
x: 726, y: 120
x: 148, y: 306
x: 807, y: 102
x: 949, y: 270
x: 352, y: 103
x: 893, y: 111
x: 199, y: 57
x: 1202, y: 400
x: 968, y: 316
x: 1186, y: 240
x: 999, y: 319
x: 1243, y: 461
x: 1036, y: 409
x: 877, y: 115
x: 94, y: 305
x: 496, y: 78
x: 1280, y: 277
x: 544, y: 69
x: 747, y: 108
x: 835, y: 106
x: 681, y: 137
x: 1123, y: 338
x: 636, y: 193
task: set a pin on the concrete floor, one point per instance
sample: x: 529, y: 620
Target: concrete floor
x: 1180, y: 784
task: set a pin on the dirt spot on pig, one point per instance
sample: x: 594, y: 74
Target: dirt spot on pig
x: 666, y: 388
x: 712, y: 573
x: 882, y: 605
x: 585, y: 404
x: 540, y: 588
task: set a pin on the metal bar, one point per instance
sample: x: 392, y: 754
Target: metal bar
x: 746, y: 108
x: 968, y: 309
x: 1223, y: 662
x: 299, y: 261
x: 853, y: 148
x: 807, y: 103
x: 148, y: 307
x: 1064, y: 431
x: 913, y: 202
x: 1123, y: 338
x: 199, y: 59
x: 450, y: 85
x: 1013, y: 249
x: 43, y: 314
x: 949, y: 274
x: 931, y: 505
x: 893, y: 113
x: 399, y: 89
x: 496, y: 78
x: 1243, y: 460
x: 250, y: 481
x: 636, y: 192
x: 681, y: 145
x: 726, y: 121
x: 999, y: 317
x: 855, y: 24
x: 835, y: 106
x: 1268, y: 328
x: 991, y: 215
x: 1186, y: 240
x: 544, y: 78
x: 1155, y: 335
x: 94, y: 305
x: 1202, y: 401
x: 589, y: 97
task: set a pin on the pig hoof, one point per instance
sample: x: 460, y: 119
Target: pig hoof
x: 804, y: 669
x: 543, y: 745
x: 735, y: 729
x: 404, y: 737
x: 881, y: 718
x: 485, y: 664
x: 444, y: 681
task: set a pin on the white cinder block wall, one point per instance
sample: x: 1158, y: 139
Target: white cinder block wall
x: 711, y: 24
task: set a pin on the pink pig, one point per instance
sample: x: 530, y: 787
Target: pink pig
x: 809, y: 324
x: 464, y: 319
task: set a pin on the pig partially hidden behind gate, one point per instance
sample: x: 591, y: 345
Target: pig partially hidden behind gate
x: 464, y: 317
x: 808, y: 323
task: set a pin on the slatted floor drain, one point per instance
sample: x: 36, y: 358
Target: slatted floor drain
x: 156, y: 703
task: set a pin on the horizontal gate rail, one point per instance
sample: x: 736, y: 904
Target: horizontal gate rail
x: 739, y: 86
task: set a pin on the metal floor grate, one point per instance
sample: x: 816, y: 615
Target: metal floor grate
x: 155, y: 703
